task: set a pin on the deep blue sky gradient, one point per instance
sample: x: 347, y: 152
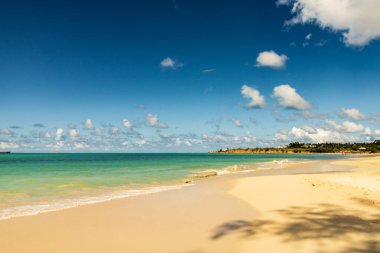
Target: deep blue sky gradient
x: 62, y: 62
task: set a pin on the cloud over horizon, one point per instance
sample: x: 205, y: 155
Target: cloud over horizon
x: 88, y: 124
x: 127, y: 123
x: 153, y: 121
x: 346, y: 126
x: 74, y: 133
x: 317, y: 135
x: 58, y: 134
x: 352, y: 113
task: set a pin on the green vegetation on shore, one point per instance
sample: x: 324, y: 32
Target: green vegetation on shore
x: 297, y: 147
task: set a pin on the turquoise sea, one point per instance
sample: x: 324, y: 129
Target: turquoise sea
x: 34, y: 183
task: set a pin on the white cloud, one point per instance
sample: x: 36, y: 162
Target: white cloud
x: 163, y: 135
x: 153, y: 121
x: 309, y: 129
x: 188, y: 143
x: 306, y: 42
x: 281, y: 136
x: 73, y: 133
x: 282, y: 2
x: 237, y: 122
x: 257, y: 100
x: 347, y: 126
x: 352, y: 127
x: 352, y: 113
x: 226, y: 139
x: 88, y: 124
x: 127, y: 123
x: 271, y: 59
x: 178, y: 141
x: 8, y: 145
x: 114, y: 130
x: 80, y: 145
x: 248, y: 138
x: 371, y: 135
x: 289, y: 98
x: 5, y: 131
x: 58, y: 134
x: 208, y: 70
x: 367, y: 131
x: 169, y: 63
x: 141, y: 142
x: 333, y: 124
x: 98, y: 132
x: 57, y: 145
x: 162, y: 125
x: 357, y: 20
x: 318, y: 136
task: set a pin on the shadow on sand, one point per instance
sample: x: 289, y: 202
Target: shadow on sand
x: 318, y: 222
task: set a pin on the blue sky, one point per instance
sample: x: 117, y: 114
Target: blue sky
x: 174, y: 71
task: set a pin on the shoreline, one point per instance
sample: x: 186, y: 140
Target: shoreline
x: 125, y: 225
x: 262, y: 152
x: 110, y: 195
x: 242, y: 212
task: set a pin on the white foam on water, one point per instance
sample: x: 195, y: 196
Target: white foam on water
x: 245, y: 168
x: 232, y: 169
x: 10, y: 212
x: 228, y: 170
x: 276, y: 164
x: 34, y: 209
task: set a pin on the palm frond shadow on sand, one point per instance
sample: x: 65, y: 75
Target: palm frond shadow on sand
x: 318, y: 222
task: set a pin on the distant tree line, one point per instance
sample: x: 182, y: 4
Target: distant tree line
x: 300, y: 147
x: 370, y: 147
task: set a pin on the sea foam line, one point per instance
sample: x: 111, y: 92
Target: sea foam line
x: 34, y: 209
x: 243, y: 168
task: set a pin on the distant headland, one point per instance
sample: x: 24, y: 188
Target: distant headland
x: 309, y: 148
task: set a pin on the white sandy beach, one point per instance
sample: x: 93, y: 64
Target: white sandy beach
x: 267, y: 211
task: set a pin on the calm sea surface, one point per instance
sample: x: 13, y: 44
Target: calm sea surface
x: 33, y: 183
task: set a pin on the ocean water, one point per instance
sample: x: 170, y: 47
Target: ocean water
x: 35, y: 183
